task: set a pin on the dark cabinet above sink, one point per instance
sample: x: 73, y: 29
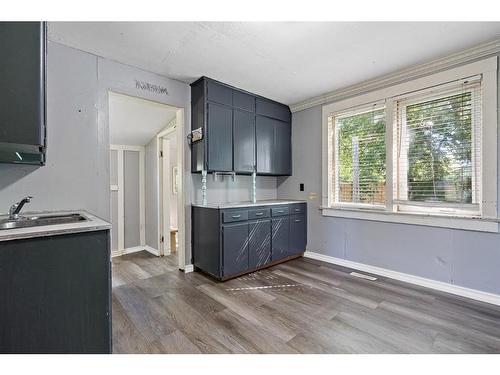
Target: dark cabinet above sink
x: 242, y: 132
x: 22, y: 94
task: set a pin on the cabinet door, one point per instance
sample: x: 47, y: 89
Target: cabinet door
x: 265, y: 145
x: 298, y: 234
x: 259, y: 243
x: 22, y: 82
x: 235, y: 248
x: 280, y: 238
x: 244, y: 141
x: 282, y: 151
x: 220, y: 138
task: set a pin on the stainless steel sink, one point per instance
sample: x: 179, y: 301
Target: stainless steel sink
x: 37, y: 221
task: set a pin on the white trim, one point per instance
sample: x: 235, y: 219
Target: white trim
x: 416, y: 280
x: 130, y: 250
x: 126, y: 148
x: 453, y: 222
x: 165, y: 192
x: 135, y: 249
x: 188, y: 268
x: 488, y: 69
x: 416, y: 71
x: 121, y: 201
x: 119, y: 188
x: 177, y: 126
x: 489, y: 149
x: 142, y: 197
x: 151, y: 250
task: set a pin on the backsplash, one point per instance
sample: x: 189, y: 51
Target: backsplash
x: 224, y: 189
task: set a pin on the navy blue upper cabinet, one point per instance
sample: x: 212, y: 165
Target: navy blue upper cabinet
x: 220, y: 134
x: 22, y: 94
x: 219, y: 93
x: 242, y: 132
x: 265, y: 145
x: 272, y: 109
x: 243, y: 141
x: 274, y: 153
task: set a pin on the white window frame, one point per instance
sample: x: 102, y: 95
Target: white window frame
x: 333, y: 135
x: 445, y: 208
x: 488, y: 220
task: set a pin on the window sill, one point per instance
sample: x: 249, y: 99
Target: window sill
x: 450, y: 222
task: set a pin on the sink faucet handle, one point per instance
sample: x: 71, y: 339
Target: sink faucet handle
x: 16, y: 207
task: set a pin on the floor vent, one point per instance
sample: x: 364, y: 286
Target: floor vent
x: 361, y: 276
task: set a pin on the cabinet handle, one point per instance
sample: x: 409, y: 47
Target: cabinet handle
x: 297, y: 209
x: 297, y: 220
x: 236, y: 216
x: 259, y: 213
x: 279, y: 211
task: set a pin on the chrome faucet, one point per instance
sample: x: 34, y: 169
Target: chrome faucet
x: 17, y: 207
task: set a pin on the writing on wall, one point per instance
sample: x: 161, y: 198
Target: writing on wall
x: 151, y: 87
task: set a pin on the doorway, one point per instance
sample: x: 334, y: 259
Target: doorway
x: 144, y: 211
x: 171, y: 193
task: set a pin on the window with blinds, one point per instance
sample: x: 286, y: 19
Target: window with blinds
x: 437, y: 149
x: 359, y: 156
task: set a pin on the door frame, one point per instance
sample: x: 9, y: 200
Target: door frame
x: 163, y: 231
x: 119, y: 188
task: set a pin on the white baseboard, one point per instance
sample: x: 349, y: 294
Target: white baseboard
x: 129, y: 250
x: 135, y: 249
x: 417, y: 280
x: 188, y: 268
x: 151, y: 250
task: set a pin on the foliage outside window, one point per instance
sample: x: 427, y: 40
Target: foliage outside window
x: 435, y: 152
x: 360, y: 147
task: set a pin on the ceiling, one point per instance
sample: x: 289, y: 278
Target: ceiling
x: 285, y: 61
x: 134, y: 121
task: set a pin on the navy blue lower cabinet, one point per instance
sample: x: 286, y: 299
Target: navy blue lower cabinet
x: 280, y: 238
x: 228, y: 242
x: 55, y: 294
x: 298, y: 233
x: 235, y: 248
x: 259, y: 243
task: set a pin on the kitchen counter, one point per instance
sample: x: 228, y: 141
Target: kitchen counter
x: 93, y: 223
x: 267, y: 202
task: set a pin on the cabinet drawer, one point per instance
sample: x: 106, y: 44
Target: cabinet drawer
x: 232, y: 216
x: 297, y: 208
x: 280, y: 211
x: 219, y: 93
x: 259, y: 214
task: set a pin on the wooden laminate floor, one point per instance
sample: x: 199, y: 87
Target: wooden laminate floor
x: 302, y: 306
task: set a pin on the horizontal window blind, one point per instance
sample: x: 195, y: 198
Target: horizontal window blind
x: 438, y: 148
x: 359, y: 156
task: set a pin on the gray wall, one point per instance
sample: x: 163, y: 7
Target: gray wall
x: 76, y: 175
x: 151, y: 189
x: 132, y: 199
x: 71, y: 177
x: 465, y: 258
